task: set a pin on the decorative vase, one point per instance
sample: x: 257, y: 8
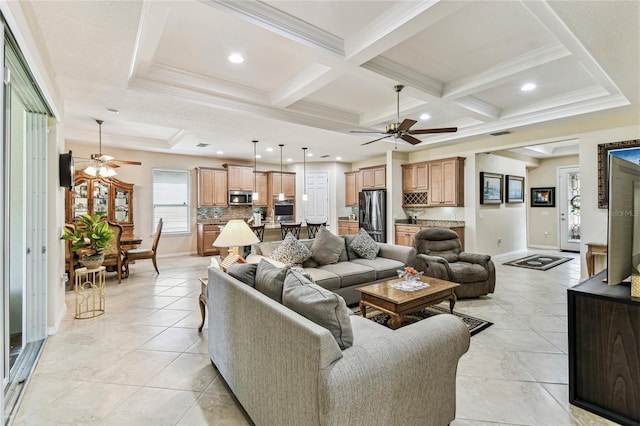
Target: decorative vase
x: 93, y: 261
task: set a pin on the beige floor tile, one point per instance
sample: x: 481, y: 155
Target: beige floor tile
x: 165, y: 317
x: 192, y: 372
x: 173, y: 340
x: 582, y: 417
x: 493, y: 364
x: 546, y: 368
x: 150, y: 406
x: 136, y: 368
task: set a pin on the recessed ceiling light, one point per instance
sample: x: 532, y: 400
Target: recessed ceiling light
x: 113, y: 111
x: 219, y: 152
x: 338, y: 158
x: 528, y: 87
x: 310, y: 154
x: 269, y: 149
x: 258, y: 156
x: 236, y: 58
x: 425, y: 116
x: 289, y: 159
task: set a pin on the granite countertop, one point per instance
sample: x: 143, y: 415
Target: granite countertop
x: 432, y: 222
x: 346, y: 219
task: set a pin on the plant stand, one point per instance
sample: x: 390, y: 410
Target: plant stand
x: 89, y: 287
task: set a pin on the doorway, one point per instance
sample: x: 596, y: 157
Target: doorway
x: 569, y: 208
x: 316, y: 208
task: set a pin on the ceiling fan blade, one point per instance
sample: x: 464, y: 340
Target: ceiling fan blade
x: 375, y: 140
x: 111, y: 164
x: 363, y: 131
x: 440, y: 130
x: 131, y: 163
x: 410, y: 139
x: 406, y: 124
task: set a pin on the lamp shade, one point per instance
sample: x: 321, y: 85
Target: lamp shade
x: 236, y: 233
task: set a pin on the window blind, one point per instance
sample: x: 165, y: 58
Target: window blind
x: 171, y: 200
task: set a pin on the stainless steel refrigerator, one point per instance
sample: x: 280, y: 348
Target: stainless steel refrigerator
x: 373, y: 213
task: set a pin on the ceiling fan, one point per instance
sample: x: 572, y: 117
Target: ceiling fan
x: 103, y: 165
x: 402, y: 129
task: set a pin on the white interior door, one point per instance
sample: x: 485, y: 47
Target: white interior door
x: 569, y: 208
x: 316, y: 208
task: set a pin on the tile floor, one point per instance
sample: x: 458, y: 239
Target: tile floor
x: 144, y: 362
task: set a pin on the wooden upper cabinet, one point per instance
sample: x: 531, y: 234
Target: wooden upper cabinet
x: 350, y: 191
x: 261, y: 189
x: 240, y: 178
x: 288, y: 184
x: 374, y: 177
x: 446, y: 182
x: 415, y: 177
x: 212, y: 187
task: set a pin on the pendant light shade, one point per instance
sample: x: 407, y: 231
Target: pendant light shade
x: 281, y: 194
x: 255, y: 195
x: 304, y: 174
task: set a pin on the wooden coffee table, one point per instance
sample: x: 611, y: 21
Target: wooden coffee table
x: 398, y: 303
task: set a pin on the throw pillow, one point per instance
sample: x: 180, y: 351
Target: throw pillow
x: 319, y: 305
x: 364, y: 245
x: 326, y: 247
x: 270, y: 280
x: 245, y: 272
x: 291, y: 251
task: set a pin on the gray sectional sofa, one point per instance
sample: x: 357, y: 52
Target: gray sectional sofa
x: 351, y: 270
x: 287, y: 370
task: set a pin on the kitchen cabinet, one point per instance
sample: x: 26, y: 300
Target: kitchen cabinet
x: 261, y: 189
x: 207, y: 234
x: 350, y: 189
x: 288, y: 184
x: 212, y: 187
x: 108, y: 197
x: 446, y: 182
x: 347, y: 227
x: 239, y: 178
x: 405, y: 233
x: 374, y: 177
x: 415, y: 177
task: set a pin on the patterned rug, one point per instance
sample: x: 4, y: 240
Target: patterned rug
x: 475, y: 325
x: 541, y: 262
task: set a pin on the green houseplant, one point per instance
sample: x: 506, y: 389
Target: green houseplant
x: 90, y: 239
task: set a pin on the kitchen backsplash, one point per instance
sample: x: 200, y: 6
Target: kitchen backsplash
x: 225, y: 213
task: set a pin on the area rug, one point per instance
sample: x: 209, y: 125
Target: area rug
x: 540, y: 262
x: 475, y: 325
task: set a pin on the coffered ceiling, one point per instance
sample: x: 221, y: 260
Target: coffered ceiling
x: 314, y: 70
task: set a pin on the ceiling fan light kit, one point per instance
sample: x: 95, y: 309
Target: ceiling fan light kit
x: 402, y: 129
x: 103, y: 165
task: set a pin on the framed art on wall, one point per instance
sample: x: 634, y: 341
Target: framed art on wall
x: 491, y: 188
x: 629, y: 150
x: 543, y: 197
x: 514, y: 191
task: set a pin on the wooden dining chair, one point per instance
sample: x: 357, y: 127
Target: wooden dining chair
x: 294, y: 228
x: 312, y: 228
x: 113, y: 255
x: 138, y: 254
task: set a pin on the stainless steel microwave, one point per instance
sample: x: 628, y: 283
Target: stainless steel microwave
x: 240, y: 198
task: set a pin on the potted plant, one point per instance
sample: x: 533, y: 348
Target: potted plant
x: 89, y: 240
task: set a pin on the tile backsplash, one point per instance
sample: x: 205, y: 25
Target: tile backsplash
x: 225, y: 213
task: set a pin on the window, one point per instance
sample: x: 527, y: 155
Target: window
x: 171, y: 200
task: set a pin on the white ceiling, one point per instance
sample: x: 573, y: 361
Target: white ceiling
x: 314, y: 70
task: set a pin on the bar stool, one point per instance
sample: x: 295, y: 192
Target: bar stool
x: 313, y: 228
x: 294, y: 228
x: 259, y: 231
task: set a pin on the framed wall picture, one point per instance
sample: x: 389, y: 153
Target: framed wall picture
x: 514, y: 190
x: 629, y: 150
x: 543, y: 197
x: 491, y: 188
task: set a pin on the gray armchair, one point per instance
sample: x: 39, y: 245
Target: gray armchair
x: 440, y: 255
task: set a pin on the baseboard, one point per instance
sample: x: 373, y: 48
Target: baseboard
x: 508, y: 254
x: 542, y: 247
x: 63, y: 312
x: 185, y: 253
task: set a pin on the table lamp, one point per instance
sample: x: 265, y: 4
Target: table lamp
x: 235, y: 233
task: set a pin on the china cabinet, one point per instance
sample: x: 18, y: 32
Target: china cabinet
x: 108, y: 197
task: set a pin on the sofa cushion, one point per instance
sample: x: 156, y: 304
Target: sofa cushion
x: 351, y: 273
x: 365, y: 329
x: 291, y: 251
x: 325, y: 279
x: 245, y: 272
x: 348, y: 239
x: 270, y: 279
x: 463, y: 272
x: 321, y: 306
x: 385, y: 268
x: 326, y: 247
x: 364, y: 245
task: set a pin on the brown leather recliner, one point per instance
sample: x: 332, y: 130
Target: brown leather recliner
x: 440, y: 255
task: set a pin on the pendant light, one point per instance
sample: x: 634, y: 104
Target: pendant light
x: 255, y: 195
x: 304, y: 174
x: 281, y: 194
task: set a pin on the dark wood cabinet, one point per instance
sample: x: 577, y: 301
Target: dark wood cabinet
x: 604, y: 350
x: 207, y: 235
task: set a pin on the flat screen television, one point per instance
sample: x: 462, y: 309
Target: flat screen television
x: 623, y: 241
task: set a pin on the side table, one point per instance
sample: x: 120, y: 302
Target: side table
x: 594, y: 249
x: 203, y: 300
x: 89, y: 288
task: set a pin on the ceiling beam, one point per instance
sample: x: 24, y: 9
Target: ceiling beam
x: 313, y: 77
